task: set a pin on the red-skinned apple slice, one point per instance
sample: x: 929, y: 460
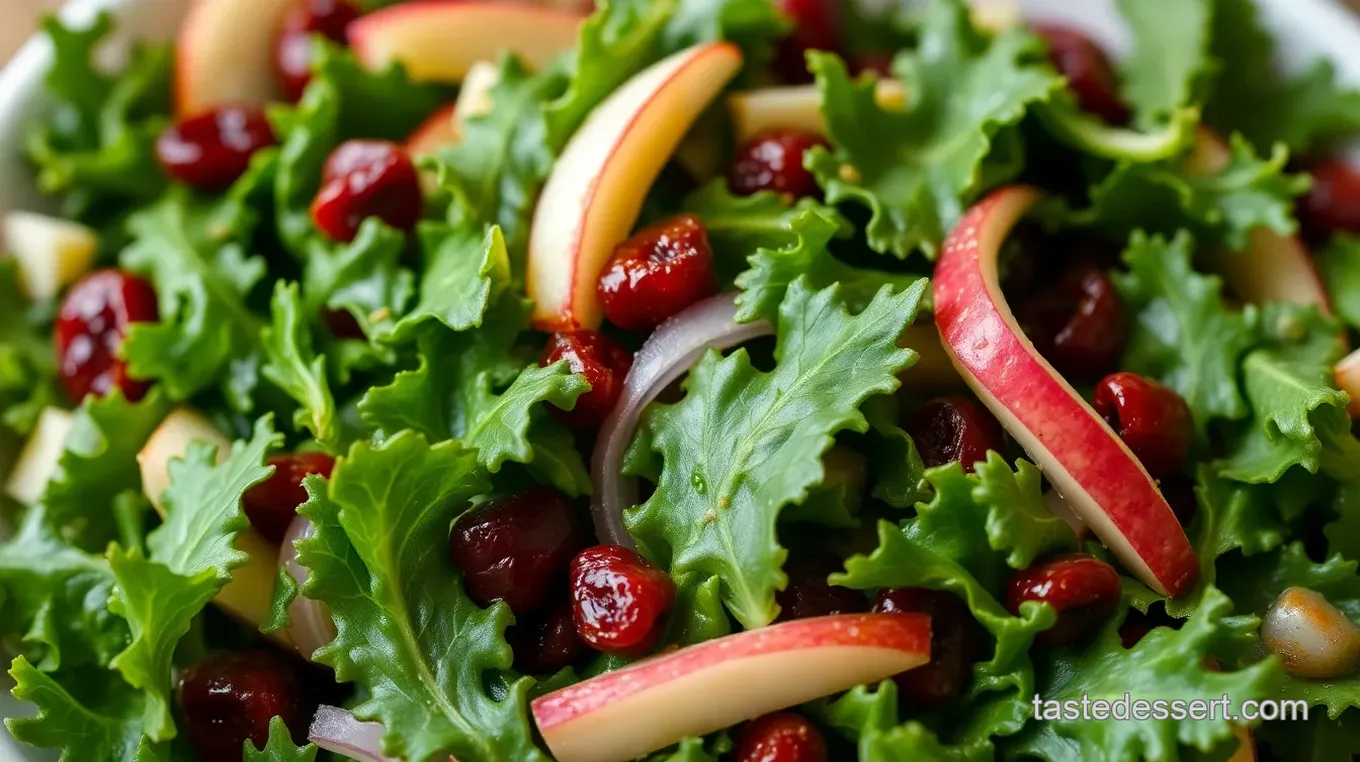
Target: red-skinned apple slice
x: 440, y: 40
x: 1348, y: 380
x: 1084, y: 459
x: 622, y: 715
x: 797, y: 107
x: 592, y: 198
x: 225, y: 54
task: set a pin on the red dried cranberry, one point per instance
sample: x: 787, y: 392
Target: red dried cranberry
x: 955, y: 638
x: 773, y: 161
x: 809, y: 594
x: 658, y: 272
x: 1087, y: 69
x: 780, y: 737
x: 618, y: 599
x: 293, y: 47
x: 367, y: 178
x: 954, y: 428
x: 230, y: 699
x: 1153, y: 420
x: 93, y: 320
x: 1077, y: 324
x: 514, y: 548
x: 210, y: 151
x: 1333, y: 203
x: 816, y: 26
x: 272, y: 504
x: 342, y: 324
x: 605, y: 365
x: 545, y: 643
x: 1083, y: 590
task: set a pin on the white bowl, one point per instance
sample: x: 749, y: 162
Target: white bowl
x: 1304, y: 29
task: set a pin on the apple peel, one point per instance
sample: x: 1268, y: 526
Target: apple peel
x: 716, y: 684
x: 1085, y: 460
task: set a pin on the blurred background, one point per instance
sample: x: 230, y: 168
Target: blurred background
x: 16, y: 22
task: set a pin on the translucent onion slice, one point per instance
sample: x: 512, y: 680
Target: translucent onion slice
x: 670, y: 352
x: 312, y: 624
x: 335, y: 729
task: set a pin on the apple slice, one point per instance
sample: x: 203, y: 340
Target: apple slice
x: 246, y: 596
x: 1348, y: 380
x: 37, y: 462
x: 441, y: 40
x: 649, y: 705
x: 592, y: 198
x: 1090, y: 466
x: 51, y: 253
x: 445, y: 126
x: 225, y: 54
x: 798, y: 107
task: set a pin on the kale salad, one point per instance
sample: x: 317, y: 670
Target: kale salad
x: 683, y: 380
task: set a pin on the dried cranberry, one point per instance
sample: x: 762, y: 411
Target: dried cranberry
x: 93, y: 320
x: 293, y: 47
x: 955, y: 638
x: 547, y: 642
x: 230, y: 699
x: 1078, y: 324
x: 816, y: 26
x: 1333, y: 203
x: 210, y: 151
x: 780, y: 737
x: 272, y: 504
x: 342, y: 324
x: 367, y: 178
x: 514, y: 548
x: 618, y: 599
x: 773, y: 161
x: 1153, y: 420
x: 1083, y: 590
x: 658, y: 272
x: 1087, y: 69
x: 809, y: 594
x: 605, y: 365
x: 954, y: 428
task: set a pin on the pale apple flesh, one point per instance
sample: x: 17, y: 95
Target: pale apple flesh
x: 649, y: 705
x: 51, y: 253
x: 797, y: 107
x: 1085, y: 460
x: 1348, y: 380
x: 247, y: 596
x: 592, y: 198
x: 225, y: 54
x: 440, y: 40
x: 38, y: 460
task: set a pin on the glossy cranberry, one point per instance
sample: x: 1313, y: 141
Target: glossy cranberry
x: 780, y: 737
x: 547, y: 642
x: 773, y: 161
x: 1333, y: 203
x: 93, y: 319
x: 955, y: 639
x: 657, y: 273
x: 816, y: 26
x: 954, y: 428
x: 1087, y: 69
x: 293, y: 47
x: 210, y: 151
x: 1153, y: 420
x: 1083, y: 589
x: 515, y: 548
x: 342, y: 324
x: 272, y: 504
x: 618, y: 599
x: 809, y: 594
x: 230, y: 699
x: 367, y: 178
x: 1078, y: 324
x: 605, y: 365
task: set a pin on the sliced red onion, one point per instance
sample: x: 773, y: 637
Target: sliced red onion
x: 312, y: 624
x: 335, y: 729
x: 670, y: 352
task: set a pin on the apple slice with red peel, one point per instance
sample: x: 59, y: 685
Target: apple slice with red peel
x: 1348, y: 380
x: 225, y: 54
x: 1085, y: 460
x: 654, y: 703
x: 595, y: 192
x: 797, y: 107
x: 441, y: 40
